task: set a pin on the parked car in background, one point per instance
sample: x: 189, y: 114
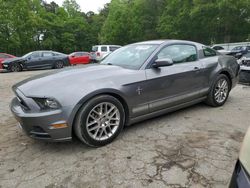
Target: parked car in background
x: 134, y: 83
x: 4, y: 56
x: 99, y: 52
x: 239, y: 51
x: 77, y: 58
x: 221, y: 50
x: 241, y: 174
x: 244, y: 62
x: 37, y: 60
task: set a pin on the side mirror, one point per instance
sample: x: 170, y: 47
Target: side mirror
x: 162, y: 63
x: 72, y: 56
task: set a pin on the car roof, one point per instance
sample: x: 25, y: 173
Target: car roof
x: 44, y: 51
x: 153, y: 42
x: 166, y: 41
x: 80, y: 52
x: 107, y: 45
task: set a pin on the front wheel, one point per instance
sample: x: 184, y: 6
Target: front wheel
x: 15, y: 67
x: 219, y: 92
x: 100, y: 121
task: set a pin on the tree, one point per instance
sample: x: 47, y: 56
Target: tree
x: 27, y: 25
x: 116, y: 27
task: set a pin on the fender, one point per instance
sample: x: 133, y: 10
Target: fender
x: 92, y: 95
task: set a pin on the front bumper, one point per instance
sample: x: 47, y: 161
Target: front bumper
x: 240, y: 178
x: 5, y: 66
x: 39, y: 125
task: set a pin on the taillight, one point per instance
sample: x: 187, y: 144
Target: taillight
x: 98, y: 54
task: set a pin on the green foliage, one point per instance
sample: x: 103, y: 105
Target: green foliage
x: 27, y: 25
x: 115, y: 28
x: 210, y: 21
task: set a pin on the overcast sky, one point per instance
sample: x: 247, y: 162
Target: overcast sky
x: 86, y: 5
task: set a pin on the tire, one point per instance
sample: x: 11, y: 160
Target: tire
x: 15, y: 67
x: 96, y: 129
x: 219, y: 95
x: 59, y: 65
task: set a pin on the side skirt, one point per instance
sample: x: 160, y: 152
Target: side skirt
x: 165, y: 111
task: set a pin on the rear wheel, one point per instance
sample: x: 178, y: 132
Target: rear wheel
x: 219, y: 92
x: 15, y: 67
x: 100, y: 121
x: 59, y: 65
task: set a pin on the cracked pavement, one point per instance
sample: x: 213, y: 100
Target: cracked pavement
x: 194, y: 147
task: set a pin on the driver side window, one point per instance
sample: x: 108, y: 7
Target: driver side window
x: 180, y: 53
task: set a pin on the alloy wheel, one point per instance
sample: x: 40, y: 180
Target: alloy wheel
x: 221, y: 91
x: 15, y: 68
x: 103, y: 121
x: 59, y: 65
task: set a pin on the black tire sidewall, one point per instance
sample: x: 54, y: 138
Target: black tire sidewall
x: 81, y: 129
x: 213, y: 90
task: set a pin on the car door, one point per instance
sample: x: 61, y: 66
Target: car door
x: 85, y: 58
x: 177, y: 84
x: 48, y: 60
x: 76, y: 59
x: 104, y: 51
x: 34, y: 60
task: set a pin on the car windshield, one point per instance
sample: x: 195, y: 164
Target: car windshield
x: 130, y: 57
x: 27, y: 55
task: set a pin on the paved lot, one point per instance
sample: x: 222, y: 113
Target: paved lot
x: 194, y: 147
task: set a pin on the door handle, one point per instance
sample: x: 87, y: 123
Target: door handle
x: 197, y: 70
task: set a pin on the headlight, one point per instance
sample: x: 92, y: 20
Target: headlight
x: 47, y: 103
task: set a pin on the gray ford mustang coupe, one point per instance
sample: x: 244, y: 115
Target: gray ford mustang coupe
x: 136, y: 82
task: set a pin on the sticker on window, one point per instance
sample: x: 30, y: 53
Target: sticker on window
x: 144, y: 47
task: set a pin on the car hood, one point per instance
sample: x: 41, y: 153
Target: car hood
x: 245, y: 152
x: 9, y: 60
x: 56, y: 83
